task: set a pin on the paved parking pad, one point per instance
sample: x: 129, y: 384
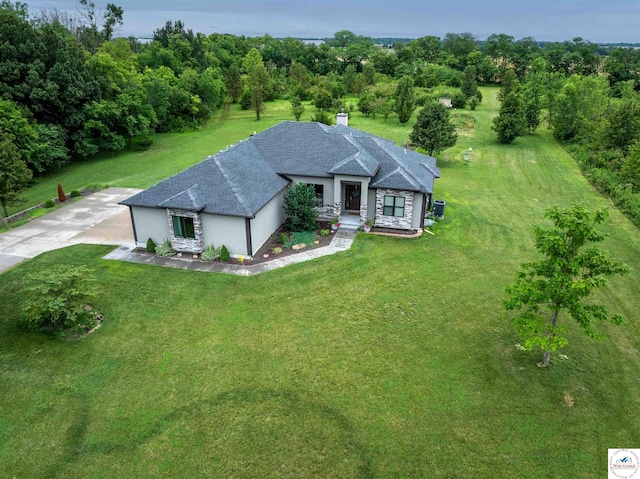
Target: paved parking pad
x: 95, y: 219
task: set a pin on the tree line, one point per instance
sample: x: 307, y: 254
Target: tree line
x: 70, y: 89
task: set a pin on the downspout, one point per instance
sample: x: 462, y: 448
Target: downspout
x: 247, y: 228
x: 133, y: 224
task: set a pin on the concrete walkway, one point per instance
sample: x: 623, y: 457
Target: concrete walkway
x: 94, y: 219
x: 341, y: 242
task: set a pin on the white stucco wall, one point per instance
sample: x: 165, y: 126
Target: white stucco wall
x: 416, y: 221
x: 225, y: 230
x: 150, y: 223
x: 314, y: 180
x: 266, y: 221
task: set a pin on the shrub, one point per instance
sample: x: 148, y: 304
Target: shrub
x: 75, y: 194
x: 322, y: 116
x: 276, y: 250
x: 324, y: 232
x: 458, y: 100
x: 301, y: 237
x: 145, y: 141
x: 211, y: 253
x: 49, y: 204
x: 473, y: 103
x: 151, y: 246
x: 300, y: 207
x: 283, y: 238
x: 57, y: 299
x: 246, y: 100
x: 241, y: 259
x: 61, y: 196
x: 224, y: 254
x: 164, y: 249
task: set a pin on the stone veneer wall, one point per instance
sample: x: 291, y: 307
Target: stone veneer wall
x: 363, y: 213
x: 337, y: 209
x: 397, y: 222
x: 326, y: 212
x: 186, y: 245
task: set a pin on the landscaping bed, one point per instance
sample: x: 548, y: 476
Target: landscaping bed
x: 280, y: 244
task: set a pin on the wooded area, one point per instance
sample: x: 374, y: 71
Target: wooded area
x: 70, y: 89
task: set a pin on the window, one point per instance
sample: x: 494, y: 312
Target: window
x: 319, y: 189
x: 393, y: 205
x: 183, y: 227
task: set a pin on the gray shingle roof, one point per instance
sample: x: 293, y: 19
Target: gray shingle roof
x: 242, y: 179
x: 230, y: 183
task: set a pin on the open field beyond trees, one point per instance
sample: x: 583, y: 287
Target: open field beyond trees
x: 393, y: 359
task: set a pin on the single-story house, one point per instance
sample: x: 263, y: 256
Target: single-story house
x: 235, y: 198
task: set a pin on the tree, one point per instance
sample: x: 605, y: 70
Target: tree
x: 233, y: 81
x: 581, y: 105
x: 631, y: 169
x: 510, y: 122
x: 323, y: 99
x: 571, y: 269
x: 622, y: 127
x: 57, y: 299
x: 297, y: 108
x: 383, y: 106
x: 300, y: 207
x: 469, y: 85
x: 257, y: 79
x: 508, y: 84
x: 88, y: 33
x: 366, y: 104
x: 532, y: 92
x: 405, y: 102
x: 433, y: 131
x: 14, y: 175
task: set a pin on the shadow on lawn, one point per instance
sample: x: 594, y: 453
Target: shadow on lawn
x: 77, y: 448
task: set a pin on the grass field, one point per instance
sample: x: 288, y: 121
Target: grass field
x: 392, y: 359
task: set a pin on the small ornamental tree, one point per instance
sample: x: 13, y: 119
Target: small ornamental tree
x: 58, y: 298
x: 511, y: 122
x: 297, y: 108
x: 571, y: 268
x: 433, y: 131
x: 300, y: 207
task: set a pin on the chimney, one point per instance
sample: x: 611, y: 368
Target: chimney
x: 342, y: 118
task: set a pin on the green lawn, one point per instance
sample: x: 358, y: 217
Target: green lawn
x: 392, y: 359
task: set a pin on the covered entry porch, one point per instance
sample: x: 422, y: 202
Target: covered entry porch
x: 351, y: 199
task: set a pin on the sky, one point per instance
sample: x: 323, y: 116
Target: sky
x: 600, y: 21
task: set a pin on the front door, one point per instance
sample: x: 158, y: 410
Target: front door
x: 352, y: 197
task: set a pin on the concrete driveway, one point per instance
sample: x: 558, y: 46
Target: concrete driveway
x: 94, y: 219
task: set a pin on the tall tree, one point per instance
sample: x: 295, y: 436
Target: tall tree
x: 433, y: 131
x: 233, y: 81
x: 508, y: 84
x: 533, y: 92
x: 511, y: 121
x: 257, y: 79
x: 581, y: 105
x: 405, y: 101
x: 571, y: 269
x: 14, y: 175
x: 469, y: 85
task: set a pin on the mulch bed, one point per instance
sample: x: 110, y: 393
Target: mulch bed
x: 266, y: 249
x: 274, y: 242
